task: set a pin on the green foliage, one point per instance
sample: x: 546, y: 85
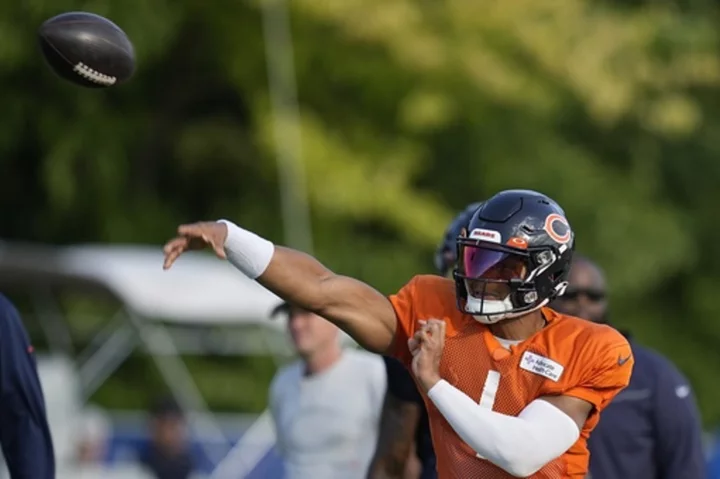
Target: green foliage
x: 409, y: 111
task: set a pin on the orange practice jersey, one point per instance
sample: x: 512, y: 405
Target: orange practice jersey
x: 569, y: 356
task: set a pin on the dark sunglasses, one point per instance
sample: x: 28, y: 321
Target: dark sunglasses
x: 593, y: 295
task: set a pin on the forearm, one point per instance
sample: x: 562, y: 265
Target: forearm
x: 519, y: 445
x: 398, y: 426
x: 386, y: 467
x: 300, y: 279
x: 297, y: 278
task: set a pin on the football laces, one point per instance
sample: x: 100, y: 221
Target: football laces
x: 94, y: 75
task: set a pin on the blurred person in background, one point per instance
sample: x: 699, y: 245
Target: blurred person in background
x: 95, y: 431
x: 168, y: 456
x: 93, y: 441
x: 326, y: 405
x: 24, y: 433
x: 652, y: 429
x: 404, y: 422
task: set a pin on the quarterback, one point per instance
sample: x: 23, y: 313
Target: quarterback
x: 512, y: 388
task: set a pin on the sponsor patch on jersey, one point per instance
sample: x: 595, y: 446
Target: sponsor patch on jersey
x: 486, y: 235
x: 545, y: 367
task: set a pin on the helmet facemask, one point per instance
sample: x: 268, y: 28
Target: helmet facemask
x: 497, y: 282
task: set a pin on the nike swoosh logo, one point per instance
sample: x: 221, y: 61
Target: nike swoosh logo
x: 622, y: 361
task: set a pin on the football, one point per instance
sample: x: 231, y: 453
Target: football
x: 87, y: 49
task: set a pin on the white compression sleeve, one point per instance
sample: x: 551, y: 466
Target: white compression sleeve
x: 519, y: 445
x: 247, y: 251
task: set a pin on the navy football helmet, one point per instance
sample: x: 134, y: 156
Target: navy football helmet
x: 514, y: 256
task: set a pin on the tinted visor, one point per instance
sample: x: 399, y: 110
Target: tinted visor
x: 486, y: 263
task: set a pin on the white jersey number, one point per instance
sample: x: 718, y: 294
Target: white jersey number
x: 487, y: 398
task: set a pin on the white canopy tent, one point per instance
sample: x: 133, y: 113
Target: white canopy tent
x: 198, y: 289
x: 223, y: 311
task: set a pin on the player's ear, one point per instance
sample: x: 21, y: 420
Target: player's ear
x: 463, y: 232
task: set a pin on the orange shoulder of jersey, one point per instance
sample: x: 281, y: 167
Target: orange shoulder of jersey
x: 423, y: 297
x: 596, y: 359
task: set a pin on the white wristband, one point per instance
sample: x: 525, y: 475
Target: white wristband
x: 247, y: 251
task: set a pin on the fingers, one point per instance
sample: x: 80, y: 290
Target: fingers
x: 413, y: 345
x: 173, y: 249
x: 414, y: 341
x: 192, y: 230
x: 436, y: 328
x: 194, y: 236
x: 208, y: 233
x: 420, y: 338
x: 431, y: 334
x: 179, y: 243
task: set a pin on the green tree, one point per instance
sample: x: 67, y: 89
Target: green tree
x: 409, y: 111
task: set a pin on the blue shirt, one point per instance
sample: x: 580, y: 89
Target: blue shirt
x: 24, y: 432
x: 652, y: 429
x: 401, y: 385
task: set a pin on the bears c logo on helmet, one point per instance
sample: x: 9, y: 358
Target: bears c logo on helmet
x: 558, y: 228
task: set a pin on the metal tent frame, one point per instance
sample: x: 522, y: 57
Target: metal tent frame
x: 156, y: 308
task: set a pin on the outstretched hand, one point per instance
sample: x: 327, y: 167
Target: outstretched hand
x: 196, y: 236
